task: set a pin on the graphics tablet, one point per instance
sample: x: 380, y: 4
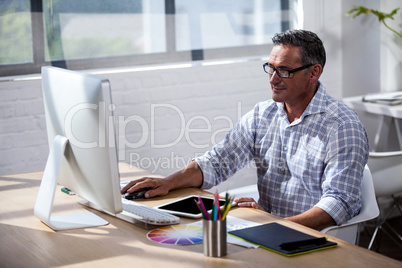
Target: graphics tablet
x: 187, y: 207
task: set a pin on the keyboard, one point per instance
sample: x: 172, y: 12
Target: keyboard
x: 135, y: 212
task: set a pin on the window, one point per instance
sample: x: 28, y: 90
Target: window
x: 77, y: 29
x: 15, y: 32
x: 212, y: 24
x: 90, y: 34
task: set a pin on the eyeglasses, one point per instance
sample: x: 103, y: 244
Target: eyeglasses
x: 283, y: 73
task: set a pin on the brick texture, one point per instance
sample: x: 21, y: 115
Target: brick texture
x: 183, y: 112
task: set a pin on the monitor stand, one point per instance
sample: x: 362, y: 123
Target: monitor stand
x: 44, y: 201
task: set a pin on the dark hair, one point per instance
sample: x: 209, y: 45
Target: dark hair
x: 311, y: 47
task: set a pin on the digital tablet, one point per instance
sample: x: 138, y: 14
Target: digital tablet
x: 187, y: 207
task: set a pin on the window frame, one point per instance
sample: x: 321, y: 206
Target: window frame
x: 170, y: 56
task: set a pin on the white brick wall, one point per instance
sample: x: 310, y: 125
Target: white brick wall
x: 23, y: 142
x: 198, y: 93
x: 208, y: 91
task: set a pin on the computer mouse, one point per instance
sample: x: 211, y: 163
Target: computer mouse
x: 135, y: 195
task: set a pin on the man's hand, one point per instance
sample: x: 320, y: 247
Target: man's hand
x: 190, y: 176
x: 247, y: 202
x: 159, y: 186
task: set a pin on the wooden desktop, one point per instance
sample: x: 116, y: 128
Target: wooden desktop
x: 27, y: 242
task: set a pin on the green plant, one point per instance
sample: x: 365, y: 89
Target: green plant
x: 381, y: 15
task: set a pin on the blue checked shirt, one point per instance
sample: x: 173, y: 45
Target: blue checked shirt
x: 317, y: 160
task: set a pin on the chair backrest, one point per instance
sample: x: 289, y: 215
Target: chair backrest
x: 386, y: 169
x: 369, y: 209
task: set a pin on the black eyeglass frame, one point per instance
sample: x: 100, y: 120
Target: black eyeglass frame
x: 289, y: 71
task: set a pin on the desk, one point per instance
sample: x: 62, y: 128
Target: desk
x: 390, y: 115
x: 26, y: 242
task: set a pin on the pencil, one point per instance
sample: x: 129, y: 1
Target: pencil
x: 203, y: 208
x: 199, y: 207
x: 229, y: 205
x: 226, y: 203
x: 218, y: 207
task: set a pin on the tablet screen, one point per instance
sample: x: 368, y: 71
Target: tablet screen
x: 187, y: 207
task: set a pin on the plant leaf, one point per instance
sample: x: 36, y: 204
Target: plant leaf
x: 358, y: 10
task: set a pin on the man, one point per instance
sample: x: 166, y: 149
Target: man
x: 310, y: 149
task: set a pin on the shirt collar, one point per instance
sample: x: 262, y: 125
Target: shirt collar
x: 317, y: 103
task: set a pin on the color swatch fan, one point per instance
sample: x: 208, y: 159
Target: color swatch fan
x: 177, y: 235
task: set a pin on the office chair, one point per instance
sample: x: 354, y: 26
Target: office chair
x: 386, y: 170
x: 348, y: 231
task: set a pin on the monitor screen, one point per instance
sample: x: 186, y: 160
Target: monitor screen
x: 78, y: 107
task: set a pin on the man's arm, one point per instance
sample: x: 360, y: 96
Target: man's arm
x: 315, y: 218
x: 190, y: 176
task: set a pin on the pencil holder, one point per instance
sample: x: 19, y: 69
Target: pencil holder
x: 214, y: 238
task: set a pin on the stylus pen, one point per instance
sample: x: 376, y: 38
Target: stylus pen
x: 304, y: 243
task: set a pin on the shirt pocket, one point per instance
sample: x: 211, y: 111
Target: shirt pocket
x: 310, y: 164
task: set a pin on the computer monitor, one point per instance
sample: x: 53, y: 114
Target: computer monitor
x: 83, y: 151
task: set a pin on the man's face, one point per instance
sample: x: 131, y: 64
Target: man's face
x: 295, y: 90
